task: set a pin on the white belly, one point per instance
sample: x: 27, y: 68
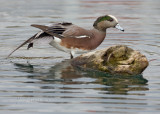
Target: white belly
x: 59, y: 47
x: 56, y: 43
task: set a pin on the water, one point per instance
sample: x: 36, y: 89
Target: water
x: 41, y: 80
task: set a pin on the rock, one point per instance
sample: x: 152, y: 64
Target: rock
x: 115, y: 60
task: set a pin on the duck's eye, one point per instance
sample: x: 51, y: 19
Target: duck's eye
x: 110, y: 19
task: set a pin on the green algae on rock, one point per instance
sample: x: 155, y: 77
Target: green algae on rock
x: 115, y: 60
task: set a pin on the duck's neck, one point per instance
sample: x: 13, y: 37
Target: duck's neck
x: 98, y: 37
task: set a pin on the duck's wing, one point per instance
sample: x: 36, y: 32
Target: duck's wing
x: 21, y: 45
x: 59, y: 30
x: 52, y: 31
x: 40, y: 37
x: 45, y: 35
x: 64, y: 29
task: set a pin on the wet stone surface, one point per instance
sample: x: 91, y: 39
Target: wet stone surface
x: 115, y: 60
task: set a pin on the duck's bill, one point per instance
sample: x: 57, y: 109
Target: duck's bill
x: 119, y: 27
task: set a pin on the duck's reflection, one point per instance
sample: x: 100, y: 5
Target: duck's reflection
x: 64, y: 73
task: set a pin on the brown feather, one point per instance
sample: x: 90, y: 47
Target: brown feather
x: 47, y: 30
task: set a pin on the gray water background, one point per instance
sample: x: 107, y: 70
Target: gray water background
x: 41, y: 81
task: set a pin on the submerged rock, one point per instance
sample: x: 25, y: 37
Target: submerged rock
x: 116, y: 60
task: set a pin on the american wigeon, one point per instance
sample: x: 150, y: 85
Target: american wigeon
x: 73, y: 39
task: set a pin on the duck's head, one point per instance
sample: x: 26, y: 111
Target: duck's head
x: 107, y: 21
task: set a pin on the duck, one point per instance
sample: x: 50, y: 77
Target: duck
x: 70, y: 38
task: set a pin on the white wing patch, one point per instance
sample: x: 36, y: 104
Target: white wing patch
x: 83, y: 36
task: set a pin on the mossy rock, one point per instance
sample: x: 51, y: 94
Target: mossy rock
x: 116, y: 60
